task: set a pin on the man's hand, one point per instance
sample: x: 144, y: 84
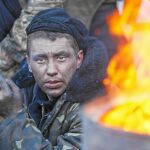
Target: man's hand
x: 10, y: 97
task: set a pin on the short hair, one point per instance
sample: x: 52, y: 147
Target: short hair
x: 52, y: 36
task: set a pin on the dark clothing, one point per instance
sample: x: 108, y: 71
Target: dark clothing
x: 9, y: 11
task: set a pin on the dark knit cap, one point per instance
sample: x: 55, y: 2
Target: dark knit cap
x: 57, y: 20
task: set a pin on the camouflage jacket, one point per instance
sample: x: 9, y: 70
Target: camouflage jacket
x: 48, y: 125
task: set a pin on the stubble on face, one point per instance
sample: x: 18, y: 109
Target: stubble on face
x: 53, y: 64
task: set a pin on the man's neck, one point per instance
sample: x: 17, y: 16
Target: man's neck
x: 53, y: 98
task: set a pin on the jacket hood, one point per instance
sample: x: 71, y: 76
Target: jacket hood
x: 86, y: 83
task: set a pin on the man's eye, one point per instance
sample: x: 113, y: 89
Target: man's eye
x: 61, y: 58
x: 40, y: 60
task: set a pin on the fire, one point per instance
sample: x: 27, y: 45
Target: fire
x: 128, y: 81
x: 130, y: 115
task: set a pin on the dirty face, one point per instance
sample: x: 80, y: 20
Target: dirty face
x: 53, y: 64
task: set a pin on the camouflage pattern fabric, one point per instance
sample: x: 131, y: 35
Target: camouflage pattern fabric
x: 60, y: 129
x: 14, y: 44
x: 22, y: 133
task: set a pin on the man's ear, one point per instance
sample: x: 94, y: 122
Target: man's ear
x: 80, y: 56
x: 28, y: 62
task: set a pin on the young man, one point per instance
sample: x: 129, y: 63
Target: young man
x: 68, y: 67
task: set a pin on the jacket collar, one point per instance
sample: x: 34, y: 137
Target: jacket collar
x: 40, y: 104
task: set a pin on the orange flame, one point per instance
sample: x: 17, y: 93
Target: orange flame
x: 128, y: 80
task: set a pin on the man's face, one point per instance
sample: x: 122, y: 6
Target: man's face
x: 53, y: 64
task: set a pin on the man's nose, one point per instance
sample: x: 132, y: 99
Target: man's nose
x: 52, y: 69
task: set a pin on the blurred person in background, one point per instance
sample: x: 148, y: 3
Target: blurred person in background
x: 94, y: 14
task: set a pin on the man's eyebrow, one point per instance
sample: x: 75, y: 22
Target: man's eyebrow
x: 39, y: 55
x: 61, y: 53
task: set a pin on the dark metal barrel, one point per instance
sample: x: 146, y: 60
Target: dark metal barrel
x: 99, y: 137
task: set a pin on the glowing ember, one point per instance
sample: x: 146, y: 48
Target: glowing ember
x: 128, y: 81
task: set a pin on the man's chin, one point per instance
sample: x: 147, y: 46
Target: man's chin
x: 54, y: 93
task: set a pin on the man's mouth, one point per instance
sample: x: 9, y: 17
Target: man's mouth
x: 53, y: 84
